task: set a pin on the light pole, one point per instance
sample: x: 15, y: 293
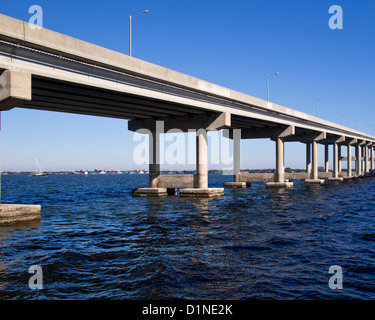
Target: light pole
x: 130, y: 29
x: 317, y: 101
x: 268, y: 85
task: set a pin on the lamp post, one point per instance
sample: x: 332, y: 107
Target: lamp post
x: 130, y: 29
x: 268, y: 85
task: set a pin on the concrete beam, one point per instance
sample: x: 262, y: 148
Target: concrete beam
x: 208, y: 123
x: 287, y: 132
x: 308, y: 138
x: 351, y: 141
x: 360, y: 142
x: 15, y: 89
x: 334, y: 140
x: 266, y: 133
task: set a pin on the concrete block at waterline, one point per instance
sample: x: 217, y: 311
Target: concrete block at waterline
x: 314, y: 181
x: 202, y: 192
x: 14, y: 213
x: 348, y: 178
x: 279, y: 185
x: 335, y: 179
x: 235, y: 185
x: 149, y: 192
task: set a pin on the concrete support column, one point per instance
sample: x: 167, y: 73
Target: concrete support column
x: 339, y: 158
x: 236, y: 154
x: 366, y: 159
x: 335, y: 160
x: 359, y: 160
x: 279, y: 160
x: 372, y: 157
x: 326, y: 158
x: 314, y: 160
x: 154, y: 157
x: 308, y: 157
x: 349, y: 155
x: 202, y: 163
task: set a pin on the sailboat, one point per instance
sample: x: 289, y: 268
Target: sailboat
x: 38, y: 171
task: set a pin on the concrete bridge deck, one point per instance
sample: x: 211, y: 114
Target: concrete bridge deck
x: 45, y: 70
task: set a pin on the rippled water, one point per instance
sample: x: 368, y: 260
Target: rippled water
x: 96, y: 241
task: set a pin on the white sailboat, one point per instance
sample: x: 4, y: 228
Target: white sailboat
x: 38, y: 171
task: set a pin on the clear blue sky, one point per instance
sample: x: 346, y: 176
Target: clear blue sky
x: 230, y: 43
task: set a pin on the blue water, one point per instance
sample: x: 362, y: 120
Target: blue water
x: 96, y: 241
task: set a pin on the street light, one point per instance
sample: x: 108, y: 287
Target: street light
x: 130, y: 29
x: 317, y: 101
x: 268, y: 85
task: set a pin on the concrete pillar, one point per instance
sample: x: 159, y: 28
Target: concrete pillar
x: 314, y: 160
x: 236, y: 154
x: 154, y: 156
x: 349, y: 155
x: 339, y: 158
x: 359, y: 160
x: 326, y: 158
x: 202, y: 163
x: 372, y: 157
x: 308, y: 157
x: 335, y: 160
x: 279, y: 160
x: 366, y: 159
x: 279, y: 176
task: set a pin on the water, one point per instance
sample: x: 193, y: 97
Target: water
x: 96, y: 241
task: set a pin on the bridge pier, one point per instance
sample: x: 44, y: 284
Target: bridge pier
x: 367, y: 168
x: 15, y: 90
x: 201, y: 188
x: 279, y: 176
x: 358, y: 151
x: 349, y: 156
x: 236, y: 184
x: 315, y: 174
x: 326, y: 158
x: 308, y: 157
x: 336, y: 145
x: 198, y: 186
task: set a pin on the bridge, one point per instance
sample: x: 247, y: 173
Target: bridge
x: 45, y: 70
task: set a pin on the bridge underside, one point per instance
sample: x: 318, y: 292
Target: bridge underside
x: 60, y: 96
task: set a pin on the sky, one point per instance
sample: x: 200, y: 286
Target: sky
x: 235, y: 44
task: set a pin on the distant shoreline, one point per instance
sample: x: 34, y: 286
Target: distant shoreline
x: 141, y: 171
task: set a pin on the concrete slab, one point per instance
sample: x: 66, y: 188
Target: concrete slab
x: 235, y: 185
x: 201, y: 192
x: 279, y: 185
x: 348, y: 178
x: 314, y: 181
x: 149, y: 192
x: 14, y: 213
x: 336, y: 179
